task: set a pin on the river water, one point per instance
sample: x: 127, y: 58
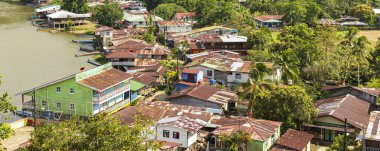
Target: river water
x: 29, y: 58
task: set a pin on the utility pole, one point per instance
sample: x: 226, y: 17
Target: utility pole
x: 345, y: 135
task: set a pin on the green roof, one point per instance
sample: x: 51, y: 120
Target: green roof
x: 136, y: 85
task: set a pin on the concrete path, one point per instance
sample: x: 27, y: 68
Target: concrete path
x: 322, y: 148
x: 22, y: 135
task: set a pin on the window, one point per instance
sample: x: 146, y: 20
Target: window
x: 165, y: 133
x: 176, y: 135
x: 229, y: 73
x: 72, y: 91
x: 238, y: 76
x: 59, y: 104
x: 72, y: 106
x: 108, y: 33
x: 43, y: 103
x: 209, y: 73
x: 58, y: 89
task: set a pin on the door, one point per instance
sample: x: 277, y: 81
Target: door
x: 191, y: 77
x: 329, y: 135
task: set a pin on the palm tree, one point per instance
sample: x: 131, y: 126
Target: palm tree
x: 254, y: 86
x: 288, y: 71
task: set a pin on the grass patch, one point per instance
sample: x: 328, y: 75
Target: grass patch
x: 100, y: 59
x: 88, y: 28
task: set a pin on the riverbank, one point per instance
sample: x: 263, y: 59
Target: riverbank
x: 31, y: 58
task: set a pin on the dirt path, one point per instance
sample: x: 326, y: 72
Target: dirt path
x: 22, y: 135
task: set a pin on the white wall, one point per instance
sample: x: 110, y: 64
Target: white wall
x: 243, y: 79
x: 204, y: 70
x: 184, y: 139
x: 176, y: 29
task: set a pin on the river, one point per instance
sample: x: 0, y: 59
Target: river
x: 29, y: 58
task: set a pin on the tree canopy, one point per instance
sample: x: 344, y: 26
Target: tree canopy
x: 76, y: 6
x: 109, y: 14
x: 100, y: 132
x: 166, y: 11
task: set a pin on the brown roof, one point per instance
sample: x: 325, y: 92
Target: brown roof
x: 144, y: 78
x: 269, y: 17
x: 159, y: 110
x: 154, y: 70
x: 183, y: 122
x: 245, y: 68
x: 294, y: 139
x: 131, y: 44
x: 183, y: 15
x: 102, y: 28
x: 105, y: 79
x: 191, y: 71
x: 145, y: 62
x: 121, y: 54
x: 154, y: 50
x: 354, y: 109
x: 258, y: 129
x: 202, y: 92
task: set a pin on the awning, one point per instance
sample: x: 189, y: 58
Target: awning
x: 136, y: 85
x: 350, y: 130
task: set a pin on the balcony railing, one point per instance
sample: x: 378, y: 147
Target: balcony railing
x: 100, y: 99
x: 371, y: 149
x: 123, y: 63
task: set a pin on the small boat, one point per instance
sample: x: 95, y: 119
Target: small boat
x: 83, y: 41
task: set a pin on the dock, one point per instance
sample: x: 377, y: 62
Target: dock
x: 81, y: 54
x: 93, y: 62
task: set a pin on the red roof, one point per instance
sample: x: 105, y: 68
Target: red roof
x: 179, y: 16
x: 269, y: 17
x: 121, y: 54
x: 132, y: 45
x: 191, y: 71
x: 294, y: 140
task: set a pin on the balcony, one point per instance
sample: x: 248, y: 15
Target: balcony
x: 100, y: 99
x: 123, y: 63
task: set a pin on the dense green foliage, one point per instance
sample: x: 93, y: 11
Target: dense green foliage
x: 109, y: 14
x: 5, y: 107
x: 97, y: 133
x: 290, y: 105
x: 338, y: 144
x: 76, y: 6
x: 166, y: 11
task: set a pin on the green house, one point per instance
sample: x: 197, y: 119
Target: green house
x: 262, y: 133
x: 102, y: 89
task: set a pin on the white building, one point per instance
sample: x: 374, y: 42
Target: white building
x: 174, y: 27
x: 180, y: 130
x: 139, y: 20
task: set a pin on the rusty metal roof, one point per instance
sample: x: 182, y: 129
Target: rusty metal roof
x: 294, y: 140
x: 257, y: 129
x: 348, y: 106
x: 105, y: 79
x: 159, y: 110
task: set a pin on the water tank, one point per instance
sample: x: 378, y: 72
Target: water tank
x: 212, y: 81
